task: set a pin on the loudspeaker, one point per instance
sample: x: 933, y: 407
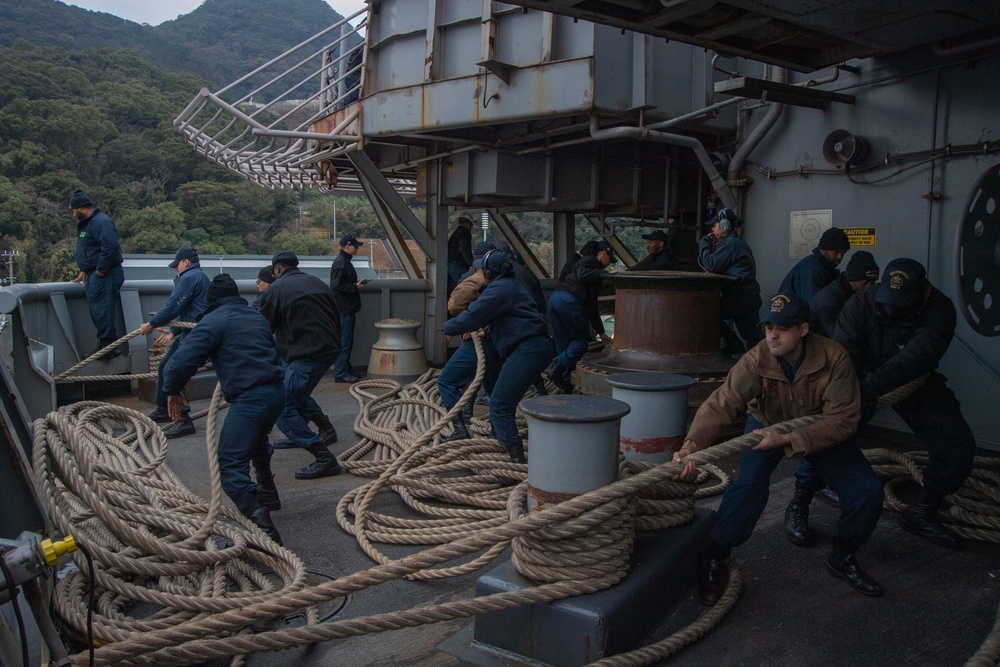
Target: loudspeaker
x: 843, y: 149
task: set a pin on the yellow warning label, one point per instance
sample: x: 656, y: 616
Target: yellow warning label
x: 861, y: 237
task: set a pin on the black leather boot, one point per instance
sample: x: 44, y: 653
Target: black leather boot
x: 842, y: 564
x: 467, y: 411
x: 713, y: 574
x: 262, y: 518
x: 920, y: 518
x: 828, y: 496
x: 459, y: 430
x: 797, y: 519
x: 267, y: 492
x: 179, y: 429
x: 327, y: 433
x: 325, y: 465
x: 516, y: 453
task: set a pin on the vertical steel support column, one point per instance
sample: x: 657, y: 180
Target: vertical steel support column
x: 655, y: 428
x: 563, y: 240
x: 437, y: 269
x: 574, y: 445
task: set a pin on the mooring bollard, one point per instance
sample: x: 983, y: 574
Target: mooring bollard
x: 397, y: 353
x: 573, y: 445
x: 655, y: 427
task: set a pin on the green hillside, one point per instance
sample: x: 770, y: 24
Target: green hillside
x: 87, y: 100
x: 219, y: 41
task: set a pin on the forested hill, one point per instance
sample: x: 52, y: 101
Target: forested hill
x: 80, y: 110
x: 220, y: 41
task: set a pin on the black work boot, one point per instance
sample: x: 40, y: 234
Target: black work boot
x: 516, y: 453
x: 467, y: 411
x: 180, y: 428
x: 160, y: 415
x: 920, y: 519
x: 267, y: 492
x: 327, y: 433
x: 325, y: 465
x: 713, y: 574
x: 842, y: 564
x: 262, y: 518
x: 559, y: 378
x: 797, y: 519
x: 459, y: 429
x: 828, y: 496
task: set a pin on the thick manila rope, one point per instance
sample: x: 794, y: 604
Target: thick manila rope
x: 69, y: 375
x: 153, y: 541
x: 437, y: 555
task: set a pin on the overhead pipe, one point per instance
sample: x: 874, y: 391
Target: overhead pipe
x: 645, y: 134
x: 741, y: 155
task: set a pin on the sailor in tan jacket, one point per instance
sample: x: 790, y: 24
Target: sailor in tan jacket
x: 790, y: 374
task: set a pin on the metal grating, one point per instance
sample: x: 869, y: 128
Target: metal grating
x: 290, y: 122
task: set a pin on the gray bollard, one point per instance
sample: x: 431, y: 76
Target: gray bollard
x: 397, y: 353
x: 573, y: 445
x: 655, y: 428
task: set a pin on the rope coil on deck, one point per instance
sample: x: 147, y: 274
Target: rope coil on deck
x: 163, y: 556
x: 222, y: 630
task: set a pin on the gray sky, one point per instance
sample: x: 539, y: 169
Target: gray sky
x: 154, y: 13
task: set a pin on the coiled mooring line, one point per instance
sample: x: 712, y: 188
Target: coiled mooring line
x: 117, y: 496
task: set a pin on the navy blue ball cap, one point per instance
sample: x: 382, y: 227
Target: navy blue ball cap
x: 724, y: 214
x: 347, y: 240
x: 606, y: 247
x: 786, y: 310
x: 286, y: 257
x: 184, y: 252
x: 901, y: 282
x: 656, y: 235
x: 482, y: 248
x: 492, y: 261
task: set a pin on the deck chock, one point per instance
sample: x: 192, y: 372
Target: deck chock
x: 578, y: 630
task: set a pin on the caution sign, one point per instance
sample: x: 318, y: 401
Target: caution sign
x: 861, y: 237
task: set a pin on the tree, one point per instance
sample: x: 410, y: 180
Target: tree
x: 157, y: 229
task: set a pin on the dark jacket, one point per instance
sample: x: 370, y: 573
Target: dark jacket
x: 809, y: 276
x: 460, y: 246
x: 255, y: 304
x: 344, y: 283
x: 529, y: 281
x: 584, y: 282
x: 97, y: 246
x: 659, y: 261
x: 889, y: 353
x: 825, y: 307
x: 187, y: 301
x: 238, y: 341
x: 731, y: 256
x: 508, y: 311
x: 569, y: 266
x: 303, y: 315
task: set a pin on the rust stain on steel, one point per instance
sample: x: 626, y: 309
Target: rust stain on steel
x: 548, y: 497
x: 653, y: 445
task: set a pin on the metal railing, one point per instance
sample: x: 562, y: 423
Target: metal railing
x: 272, y: 141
